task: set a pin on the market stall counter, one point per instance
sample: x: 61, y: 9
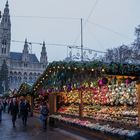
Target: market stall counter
x: 93, y: 130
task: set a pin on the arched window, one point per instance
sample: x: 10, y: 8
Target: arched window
x: 25, y: 73
x: 19, y: 73
x: 19, y: 79
x: 15, y: 79
x: 30, y: 74
x: 15, y: 73
x: 11, y: 79
x: 30, y: 79
x: 25, y: 79
x: 25, y: 64
x: 6, y: 19
x: 4, y: 43
x: 11, y: 73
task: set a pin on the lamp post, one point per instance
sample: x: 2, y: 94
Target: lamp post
x: 81, y: 39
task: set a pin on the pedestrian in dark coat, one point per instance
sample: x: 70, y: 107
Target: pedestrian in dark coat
x: 1, y: 108
x: 24, y: 109
x: 13, y: 109
x: 4, y: 105
x: 44, y: 113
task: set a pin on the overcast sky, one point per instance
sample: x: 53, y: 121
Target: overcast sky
x: 110, y: 23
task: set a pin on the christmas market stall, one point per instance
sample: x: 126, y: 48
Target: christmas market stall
x: 39, y: 93
x: 9, y: 94
x: 95, y: 96
x: 25, y: 91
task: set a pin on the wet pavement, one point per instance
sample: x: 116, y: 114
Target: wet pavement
x: 32, y: 131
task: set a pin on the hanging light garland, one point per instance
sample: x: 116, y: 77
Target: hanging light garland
x: 64, y: 72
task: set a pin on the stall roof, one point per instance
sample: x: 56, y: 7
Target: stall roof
x: 24, y: 88
x: 61, y: 71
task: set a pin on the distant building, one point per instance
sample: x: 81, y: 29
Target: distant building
x: 22, y: 67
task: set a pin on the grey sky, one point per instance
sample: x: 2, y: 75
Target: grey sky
x: 121, y: 16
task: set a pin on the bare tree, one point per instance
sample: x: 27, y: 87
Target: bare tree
x: 119, y: 54
x: 136, y: 46
x: 109, y: 55
x: 124, y: 53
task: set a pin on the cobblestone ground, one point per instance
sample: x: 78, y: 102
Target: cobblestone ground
x: 32, y: 131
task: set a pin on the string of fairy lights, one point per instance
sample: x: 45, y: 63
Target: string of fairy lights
x: 104, y: 69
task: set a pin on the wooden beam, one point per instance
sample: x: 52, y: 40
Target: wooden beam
x: 138, y: 94
x: 52, y: 103
x: 81, y: 104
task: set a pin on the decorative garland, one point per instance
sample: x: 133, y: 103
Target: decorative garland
x: 59, y: 74
x: 24, y: 89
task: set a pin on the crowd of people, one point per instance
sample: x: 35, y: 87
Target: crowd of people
x: 21, y: 108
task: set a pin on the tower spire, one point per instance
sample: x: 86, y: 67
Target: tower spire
x: 43, y: 43
x: 7, y: 5
x: 25, y: 40
x: 5, y: 32
x: 25, y: 52
x: 6, y: 17
x: 6, y: 9
x: 43, y: 58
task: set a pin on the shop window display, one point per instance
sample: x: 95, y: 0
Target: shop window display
x: 112, y: 100
x: 69, y: 103
x: 37, y: 102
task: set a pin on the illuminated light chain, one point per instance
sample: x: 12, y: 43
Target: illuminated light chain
x: 103, y: 70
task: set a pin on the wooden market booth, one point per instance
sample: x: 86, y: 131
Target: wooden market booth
x: 25, y: 91
x: 61, y: 78
x: 39, y: 94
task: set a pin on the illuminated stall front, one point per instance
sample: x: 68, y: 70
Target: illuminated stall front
x: 94, y: 93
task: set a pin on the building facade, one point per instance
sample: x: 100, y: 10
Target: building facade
x: 24, y: 66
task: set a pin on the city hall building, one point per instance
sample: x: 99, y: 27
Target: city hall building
x: 22, y: 66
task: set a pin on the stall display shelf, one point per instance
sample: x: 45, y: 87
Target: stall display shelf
x: 117, y: 115
x: 104, y: 129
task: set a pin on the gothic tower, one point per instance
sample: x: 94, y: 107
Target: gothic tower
x: 5, y: 35
x: 25, y: 54
x: 43, y: 58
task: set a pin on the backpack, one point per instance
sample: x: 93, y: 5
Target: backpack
x: 44, y: 111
